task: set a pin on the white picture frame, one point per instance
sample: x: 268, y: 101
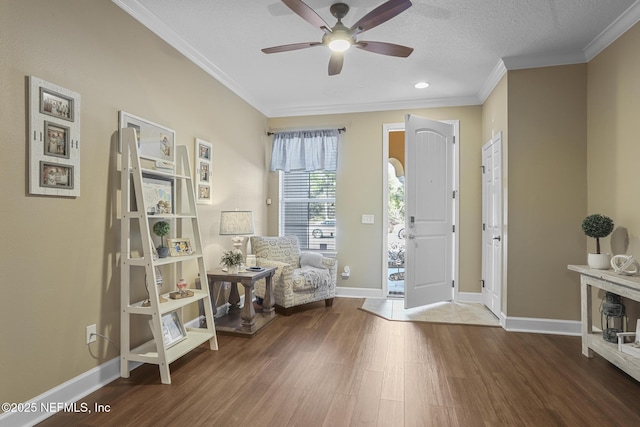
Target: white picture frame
x: 155, y: 142
x: 158, y: 195
x: 203, y: 168
x: 54, y: 139
x: 171, y: 328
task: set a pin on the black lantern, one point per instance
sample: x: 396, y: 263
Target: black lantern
x: 612, y: 317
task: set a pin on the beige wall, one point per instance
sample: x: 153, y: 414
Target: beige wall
x: 547, y: 193
x: 359, y: 189
x: 58, y: 263
x: 613, y: 134
x: 613, y: 131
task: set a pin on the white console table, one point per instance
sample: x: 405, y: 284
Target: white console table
x: 625, y: 286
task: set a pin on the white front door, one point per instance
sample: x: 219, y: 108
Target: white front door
x: 492, y: 223
x: 429, y: 211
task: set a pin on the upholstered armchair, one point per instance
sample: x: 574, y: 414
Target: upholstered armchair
x: 300, y: 278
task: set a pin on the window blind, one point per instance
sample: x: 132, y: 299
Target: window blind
x: 308, y: 208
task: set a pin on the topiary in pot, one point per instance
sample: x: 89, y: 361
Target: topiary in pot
x: 598, y: 226
x: 161, y: 228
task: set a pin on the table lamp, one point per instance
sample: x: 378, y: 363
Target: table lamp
x: 237, y: 224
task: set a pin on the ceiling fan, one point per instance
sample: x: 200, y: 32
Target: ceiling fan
x: 339, y: 38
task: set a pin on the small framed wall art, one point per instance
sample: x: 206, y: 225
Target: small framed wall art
x: 203, y: 168
x: 56, y: 105
x: 54, y: 139
x: 55, y: 175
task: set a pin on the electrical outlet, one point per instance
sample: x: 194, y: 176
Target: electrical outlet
x: 367, y: 219
x: 91, y: 334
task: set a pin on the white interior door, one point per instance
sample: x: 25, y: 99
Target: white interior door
x: 492, y: 223
x: 429, y: 208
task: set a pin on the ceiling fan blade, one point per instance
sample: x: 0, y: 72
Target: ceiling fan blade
x: 335, y: 63
x: 379, y: 15
x: 305, y: 12
x: 289, y: 47
x: 385, y: 48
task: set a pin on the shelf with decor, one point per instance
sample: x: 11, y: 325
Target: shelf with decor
x: 156, y: 186
x: 627, y: 286
x: 139, y: 307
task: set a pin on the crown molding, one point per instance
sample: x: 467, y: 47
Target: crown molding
x: 162, y: 30
x: 617, y: 28
x: 610, y: 34
x: 492, y: 81
x: 295, y: 111
x: 538, y: 61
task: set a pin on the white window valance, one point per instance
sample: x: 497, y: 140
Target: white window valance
x: 306, y: 150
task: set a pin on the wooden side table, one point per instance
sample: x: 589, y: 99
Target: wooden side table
x: 244, y: 322
x: 607, y: 280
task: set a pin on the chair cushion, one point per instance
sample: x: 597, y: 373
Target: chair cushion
x: 311, y: 259
x: 284, y: 249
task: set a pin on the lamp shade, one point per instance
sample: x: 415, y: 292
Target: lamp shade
x: 236, y: 223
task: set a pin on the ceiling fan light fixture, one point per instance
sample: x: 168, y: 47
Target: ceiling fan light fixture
x: 339, y: 45
x: 421, y: 85
x: 340, y: 38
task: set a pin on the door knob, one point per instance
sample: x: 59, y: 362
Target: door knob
x: 496, y: 238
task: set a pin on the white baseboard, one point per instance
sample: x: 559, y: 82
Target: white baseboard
x: 503, y: 319
x: 473, y: 297
x: 527, y: 324
x: 345, y: 292
x: 542, y: 326
x: 511, y: 324
x: 358, y: 292
x: 64, y: 395
x: 54, y: 400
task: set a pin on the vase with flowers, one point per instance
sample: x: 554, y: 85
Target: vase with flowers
x: 232, y: 261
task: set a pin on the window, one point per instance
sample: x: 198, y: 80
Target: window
x: 307, y: 208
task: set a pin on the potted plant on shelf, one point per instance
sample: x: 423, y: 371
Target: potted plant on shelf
x: 598, y: 226
x: 161, y: 228
x: 232, y: 260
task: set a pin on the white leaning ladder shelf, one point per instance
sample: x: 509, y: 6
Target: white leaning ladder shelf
x: 139, y: 263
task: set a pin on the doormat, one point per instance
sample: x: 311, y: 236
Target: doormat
x: 443, y: 312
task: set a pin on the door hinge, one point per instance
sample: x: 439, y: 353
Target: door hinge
x: 454, y: 139
x: 483, y: 170
x: 453, y: 283
x: 484, y: 226
x: 454, y: 228
x: 482, y: 281
x: 453, y: 195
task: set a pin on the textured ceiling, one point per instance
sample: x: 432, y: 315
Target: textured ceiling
x: 461, y: 47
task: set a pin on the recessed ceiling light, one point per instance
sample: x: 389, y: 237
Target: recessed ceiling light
x: 421, y: 85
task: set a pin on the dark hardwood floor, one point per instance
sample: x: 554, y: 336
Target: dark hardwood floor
x: 341, y: 366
